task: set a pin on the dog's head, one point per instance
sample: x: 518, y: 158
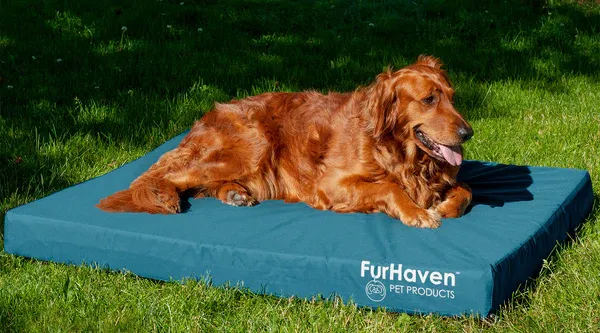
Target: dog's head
x: 416, y: 104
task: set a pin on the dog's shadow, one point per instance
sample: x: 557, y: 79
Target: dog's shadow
x: 184, y: 203
x: 496, y: 184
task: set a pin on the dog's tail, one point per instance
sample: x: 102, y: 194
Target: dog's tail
x: 121, y: 201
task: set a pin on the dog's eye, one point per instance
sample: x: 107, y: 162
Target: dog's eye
x: 428, y: 100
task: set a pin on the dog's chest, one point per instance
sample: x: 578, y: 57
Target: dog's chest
x: 423, y: 186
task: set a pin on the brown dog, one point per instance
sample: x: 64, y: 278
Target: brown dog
x: 392, y: 147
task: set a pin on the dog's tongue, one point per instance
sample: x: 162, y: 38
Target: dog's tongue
x: 453, y: 155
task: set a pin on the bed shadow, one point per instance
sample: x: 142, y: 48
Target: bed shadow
x: 496, y: 184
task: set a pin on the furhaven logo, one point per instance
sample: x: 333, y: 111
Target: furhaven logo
x: 399, y: 273
x: 376, y: 289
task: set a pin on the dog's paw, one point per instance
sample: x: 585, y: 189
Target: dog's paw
x: 451, y: 209
x: 155, y: 199
x: 424, y: 218
x: 448, y: 211
x: 456, y: 202
x: 235, y: 198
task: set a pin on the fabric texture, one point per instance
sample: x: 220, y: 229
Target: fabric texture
x: 469, y: 265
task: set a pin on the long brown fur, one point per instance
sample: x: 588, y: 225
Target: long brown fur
x: 350, y: 152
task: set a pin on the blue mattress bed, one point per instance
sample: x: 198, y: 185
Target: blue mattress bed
x: 469, y: 265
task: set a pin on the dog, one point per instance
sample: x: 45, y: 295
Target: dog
x: 393, y: 146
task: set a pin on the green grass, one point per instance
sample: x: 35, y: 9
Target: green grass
x: 527, y: 75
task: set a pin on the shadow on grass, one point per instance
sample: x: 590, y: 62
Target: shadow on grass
x: 9, y: 319
x: 27, y: 179
x: 2, y: 214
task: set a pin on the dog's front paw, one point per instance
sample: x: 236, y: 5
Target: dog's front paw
x: 451, y: 209
x: 456, y: 202
x: 423, y: 218
x: 448, y: 211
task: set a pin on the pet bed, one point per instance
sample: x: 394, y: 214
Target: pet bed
x: 469, y: 265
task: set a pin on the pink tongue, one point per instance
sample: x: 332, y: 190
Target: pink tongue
x: 452, y: 154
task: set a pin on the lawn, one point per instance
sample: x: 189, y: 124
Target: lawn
x: 86, y: 86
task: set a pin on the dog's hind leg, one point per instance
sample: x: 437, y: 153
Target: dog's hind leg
x: 158, y: 189
x: 151, y: 192
x: 216, y: 175
x: 208, y: 161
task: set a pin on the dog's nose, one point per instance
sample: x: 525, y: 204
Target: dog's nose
x: 465, y: 133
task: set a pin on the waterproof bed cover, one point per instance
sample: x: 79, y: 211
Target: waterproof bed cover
x: 469, y: 265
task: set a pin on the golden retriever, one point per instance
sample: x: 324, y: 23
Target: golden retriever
x: 393, y: 147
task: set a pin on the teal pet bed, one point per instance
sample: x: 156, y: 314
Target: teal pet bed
x: 469, y: 265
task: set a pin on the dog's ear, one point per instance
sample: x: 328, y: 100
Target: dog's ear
x: 435, y: 63
x: 430, y: 61
x: 379, y: 106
